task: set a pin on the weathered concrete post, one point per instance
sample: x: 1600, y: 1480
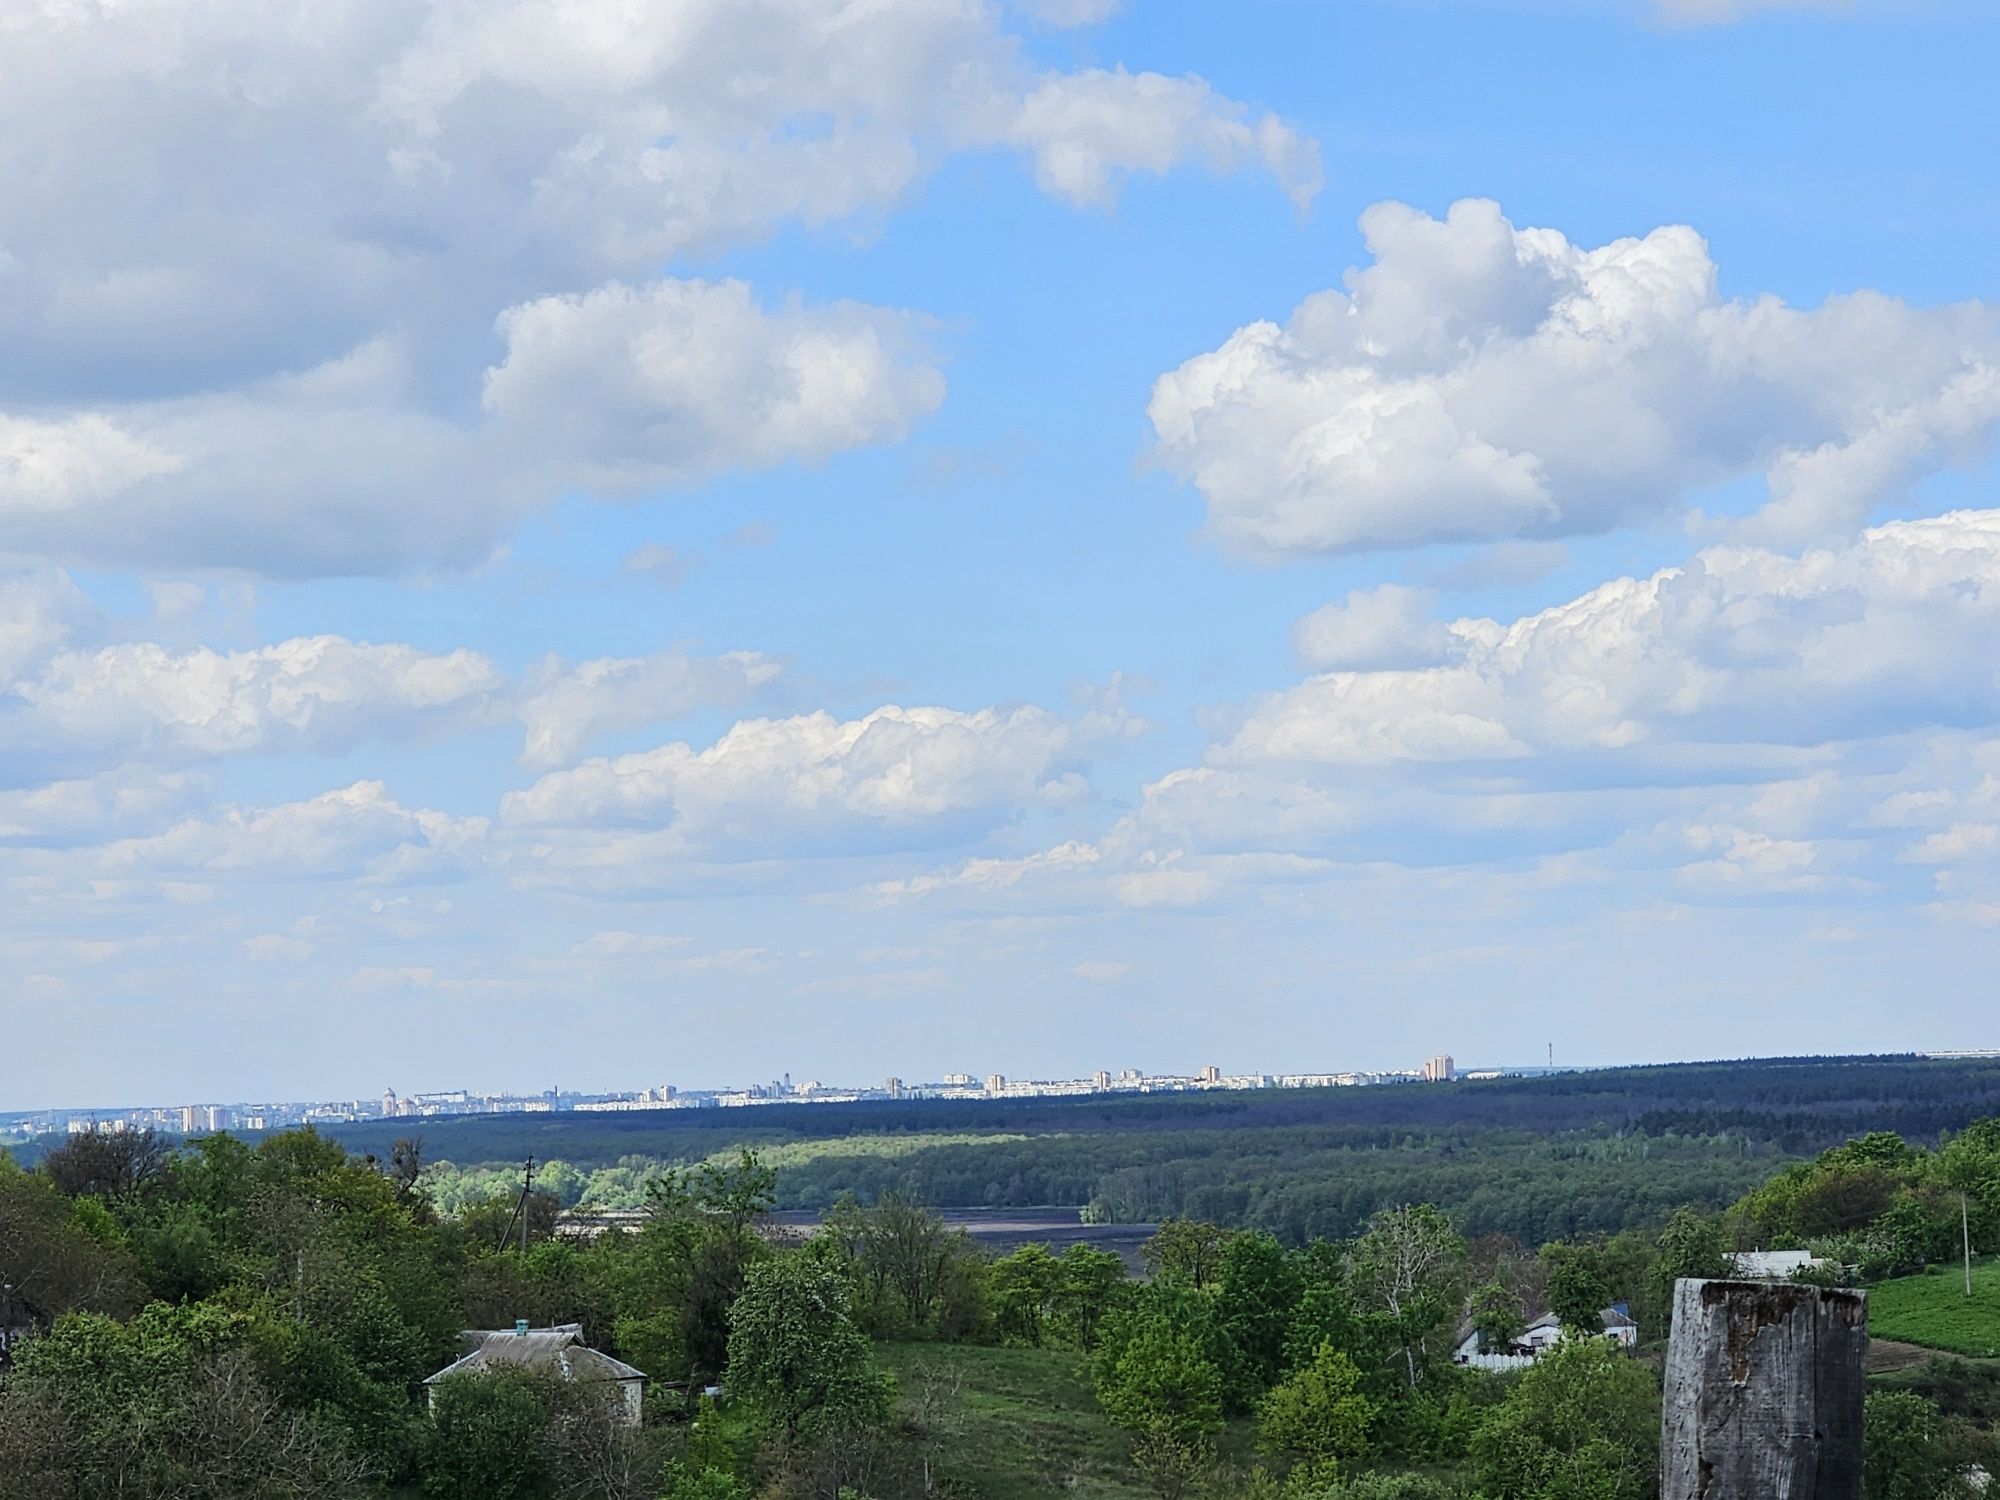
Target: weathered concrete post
x: 1763, y: 1394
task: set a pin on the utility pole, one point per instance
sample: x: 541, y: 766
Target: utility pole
x: 520, y: 1210
x: 1965, y: 1230
x: 527, y: 1187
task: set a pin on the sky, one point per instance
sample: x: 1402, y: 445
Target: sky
x: 554, y: 542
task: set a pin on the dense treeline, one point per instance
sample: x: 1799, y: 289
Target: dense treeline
x: 1296, y: 1183
x: 1536, y: 1158
x: 1795, y: 1105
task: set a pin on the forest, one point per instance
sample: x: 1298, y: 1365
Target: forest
x: 233, y: 1319
x: 1539, y: 1158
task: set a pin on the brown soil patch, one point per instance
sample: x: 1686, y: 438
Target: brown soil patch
x: 1887, y: 1355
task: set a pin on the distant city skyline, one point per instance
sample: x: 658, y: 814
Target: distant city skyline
x: 542, y: 539
x: 271, y: 1113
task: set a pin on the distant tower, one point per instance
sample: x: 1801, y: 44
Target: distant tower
x: 996, y: 1083
x: 893, y: 1087
x: 1101, y: 1081
x: 1439, y: 1069
x: 388, y: 1104
x: 1211, y: 1074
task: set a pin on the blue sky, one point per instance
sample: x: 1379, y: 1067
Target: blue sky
x: 542, y: 543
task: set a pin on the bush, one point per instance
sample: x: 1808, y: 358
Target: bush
x: 1583, y: 1424
x: 1317, y: 1418
x: 488, y: 1438
x: 1910, y: 1454
x: 1386, y: 1487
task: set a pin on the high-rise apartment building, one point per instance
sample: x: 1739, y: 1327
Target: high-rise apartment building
x: 1439, y: 1069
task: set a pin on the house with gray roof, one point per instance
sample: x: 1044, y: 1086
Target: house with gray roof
x: 559, y: 1352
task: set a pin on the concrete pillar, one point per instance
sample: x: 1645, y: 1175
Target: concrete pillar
x: 1763, y: 1392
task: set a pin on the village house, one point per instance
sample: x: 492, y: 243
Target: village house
x: 1538, y: 1337
x: 559, y: 1352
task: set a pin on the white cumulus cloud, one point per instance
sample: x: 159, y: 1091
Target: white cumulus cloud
x: 355, y: 833
x: 1741, y: 646
x: 1477, y: 381
x: 638, y: 385
x: 1389, y: 625
x: 792, y: 785
x: 318, y: 693
x: 566, y: 706
x: 254, y: 253
x: 1088, y: 130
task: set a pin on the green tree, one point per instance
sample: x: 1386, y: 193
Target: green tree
x: 706, y: 1467
x: 1186, y: 1250
x: 795, y: 1351
x: 1628, y: 1260
x: 1497, y: 1316
x: 683, y: 1483
x: 109, y: 1164
x: 1692, y: 1246
x: 1163, y: 1383
x: 1326, y: 1313
x: 1088, y: 1285
x: 1908, y: 1453
x: 488, y: 1438
x: 1387, y: 1487
x: 50, y: 1263
x: 1409, y: 1264
x: 1577, y: 1290
x: 914, y: 1251
x: 738, y: 1196
x: 1256, y: 1297
x: 673, y: 1298
x: 172, y: 1403
x: 1021, y: 1285
x: 1174, y: 1467
x: 1582, y: 1424
x: 1317, y: 1418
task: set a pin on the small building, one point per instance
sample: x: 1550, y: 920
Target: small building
x: 1540, y: 1336
x: 1772, y: 1265
x: 559, y: 1352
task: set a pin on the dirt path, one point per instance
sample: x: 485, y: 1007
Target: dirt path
x: 1885, y: 1356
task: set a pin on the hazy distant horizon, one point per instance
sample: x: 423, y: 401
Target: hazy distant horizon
x: 587, y: 1089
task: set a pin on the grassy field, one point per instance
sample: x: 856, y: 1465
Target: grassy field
x: 1023, y: 1425
x: 1933, y: 1310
